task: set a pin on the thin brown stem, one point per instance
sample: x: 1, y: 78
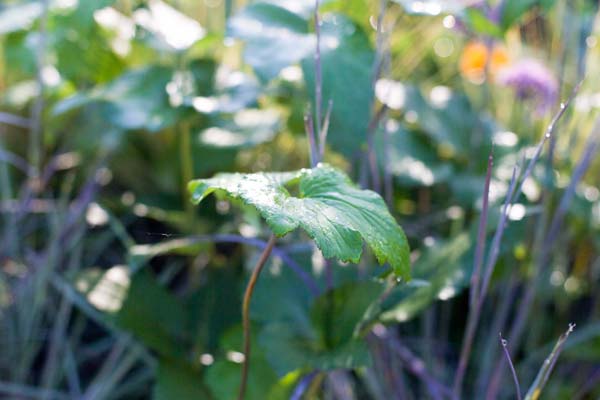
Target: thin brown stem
x: 246, y: 312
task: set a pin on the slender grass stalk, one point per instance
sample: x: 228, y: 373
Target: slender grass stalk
x: 480, y: 245
x: 99, y: 382
x: 187, y: 164
x: 501, y: 314
x: 36, y: 132
x: 518, y: 325
x: 313, y: 153
x: 371, y: 153
x: 22, y: 391
x: 413, y: 364
x: 504, y: 345
x: 14, y: 120
x: 535, y: 390
x: 325, y: 130
x: 589, y: 385
x: 388, y: 178
x: 303, y: 385
x: 14, y: 160
x: 318, y: 72
x: 71, y: 374
x: 475, y: 312
x: 10, y: 234
x: 494, y: 252
x: 50, y: 374
x: 120, y: 368
x: 246, y: 312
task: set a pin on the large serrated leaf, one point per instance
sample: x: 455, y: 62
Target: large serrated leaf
x: 336, y: 214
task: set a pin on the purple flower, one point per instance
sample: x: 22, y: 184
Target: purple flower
x: 531, y: 80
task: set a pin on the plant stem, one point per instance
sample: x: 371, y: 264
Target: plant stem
x: 246, y: 312
x: 318, y: 72
x: 14, y: 120
x: 187, y: 165
x: 312, y: 144
x: 480, y: 247
x: 36, y: 138
x: 511, y: 366
x: 542, y: 377
x: 494, y: 252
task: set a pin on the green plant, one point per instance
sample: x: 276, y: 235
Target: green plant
x: 113, y: 285
x: 334, y: 213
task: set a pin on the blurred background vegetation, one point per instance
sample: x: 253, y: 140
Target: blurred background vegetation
x: 112, y: 286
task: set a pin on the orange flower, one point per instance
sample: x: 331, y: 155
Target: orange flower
x: 475, y: 57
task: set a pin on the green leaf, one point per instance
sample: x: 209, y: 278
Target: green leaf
x: 135, y: 100
x: 171, y: 30
x: 480, y: 23
x: 336, y: 214
x: 153, y: 315
x: 347, y: 59
x: 275, y: 37
x: 288, y: 350
x: 450, y: 120
x: 514, y: 9
x: 18, y: 17
x: 441, y: 273
x: 411, y: 158
x: 223, y: 377
x: 246, y: 128
x: 178, y: 380
x: 338, y: 314
x: 547, y: 4
x: 332, y: 339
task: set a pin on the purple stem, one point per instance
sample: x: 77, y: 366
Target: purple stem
x: 480, y: 246
x: 501, y: 314
x: 324, y: 131
x: 475, y: 312
x: 504, y: 344
x: 14, y: 120
x: 473, y: 319
x: 303, y: 385
x: 318, y: 72
x: 590, y: 384
x: 525, y: 306
x: 413, y: 364
x: 371, y: 154
x: 388, y: 179
x: 261, y: 244
x: 312, y: 146
x: 16, y: 161
x: 591, y: 149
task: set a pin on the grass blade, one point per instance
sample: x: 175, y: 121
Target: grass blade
x: 538, y: 384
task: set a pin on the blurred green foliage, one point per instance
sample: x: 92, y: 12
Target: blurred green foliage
x: 113, y: 285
